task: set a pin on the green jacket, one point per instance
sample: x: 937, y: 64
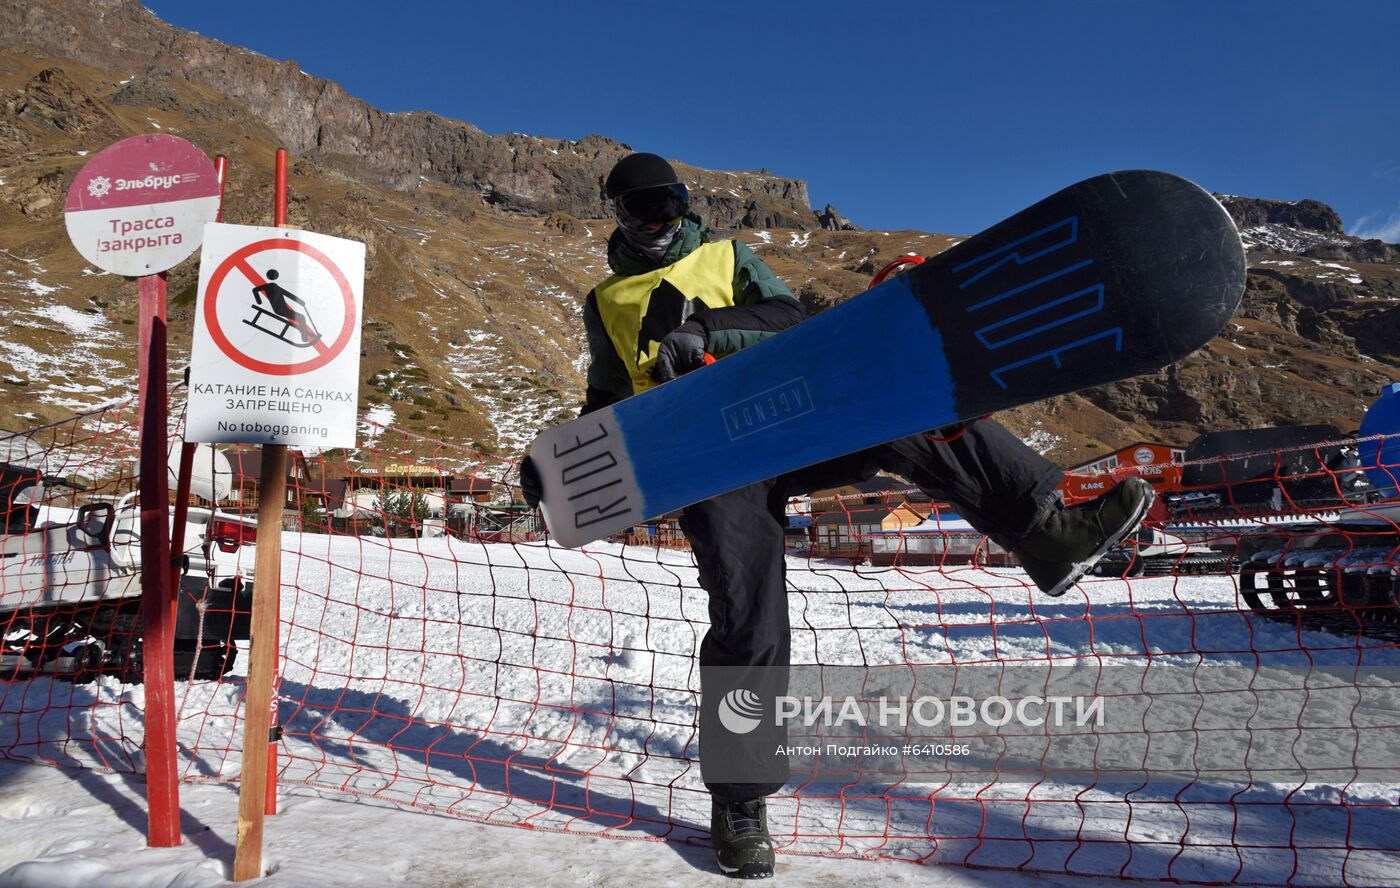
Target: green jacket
x: 763, y: 306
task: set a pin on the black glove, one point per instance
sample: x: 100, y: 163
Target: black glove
x: 530, y: 485
x: 682, y: 351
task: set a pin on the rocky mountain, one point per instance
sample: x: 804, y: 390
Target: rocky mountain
x: 313, y: 117
x: 481, y: 247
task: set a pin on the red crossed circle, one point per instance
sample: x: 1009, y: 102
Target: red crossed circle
x: 239, y: 260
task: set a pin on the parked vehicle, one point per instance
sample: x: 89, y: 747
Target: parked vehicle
x: 70, y: 578
x: 1156, y: 551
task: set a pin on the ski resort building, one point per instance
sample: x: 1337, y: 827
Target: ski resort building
x: 411, y: 500
x: 1157, y: 464
x: 846, y: 519
x: 246, y: 465
x: 943, y: 538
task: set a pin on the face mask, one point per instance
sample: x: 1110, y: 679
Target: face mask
x: 651, y: 244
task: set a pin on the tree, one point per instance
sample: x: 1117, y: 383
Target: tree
x: 312, y: 515
x: 405, y: 507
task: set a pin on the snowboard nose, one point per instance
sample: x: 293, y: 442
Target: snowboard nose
x: 1116, y: 276
x: 1184, y: 275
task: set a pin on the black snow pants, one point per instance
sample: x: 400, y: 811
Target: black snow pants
x: 994, y: 480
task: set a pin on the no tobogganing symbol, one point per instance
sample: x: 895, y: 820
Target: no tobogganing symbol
x: 287, y: 308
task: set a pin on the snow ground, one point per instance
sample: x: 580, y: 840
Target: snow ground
x: 530, y: 685
x: 80, y: 829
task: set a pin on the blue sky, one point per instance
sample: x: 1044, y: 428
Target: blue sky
x: 938, y: 116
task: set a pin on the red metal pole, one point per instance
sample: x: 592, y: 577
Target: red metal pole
x: 220, y: 172
x: 162, y: 787
x: 279, y: 206
x: 182, y: 483
x: 279, y: 218
x: 177, y: 523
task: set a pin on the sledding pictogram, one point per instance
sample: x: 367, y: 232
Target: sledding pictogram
x: 292, y: 326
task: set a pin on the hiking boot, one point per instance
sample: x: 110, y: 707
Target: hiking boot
x: 1067, y: 541
x: 743, y: 848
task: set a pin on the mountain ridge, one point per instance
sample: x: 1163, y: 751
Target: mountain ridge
x: 316, y: 117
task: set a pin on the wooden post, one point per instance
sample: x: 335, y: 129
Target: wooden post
x: 257, y: 785
x: 279, y: 218
x: 157, y: 602
x: 257, y: 715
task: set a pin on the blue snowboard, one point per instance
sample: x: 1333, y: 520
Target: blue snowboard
x: 1114, y: 277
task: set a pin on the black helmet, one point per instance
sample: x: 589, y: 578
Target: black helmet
x: 647, y: 199
x: 639, y: 170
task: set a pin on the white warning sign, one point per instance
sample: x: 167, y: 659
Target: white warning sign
x: 276, y: 351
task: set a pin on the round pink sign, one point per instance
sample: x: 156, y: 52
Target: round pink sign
x: 139, y: 206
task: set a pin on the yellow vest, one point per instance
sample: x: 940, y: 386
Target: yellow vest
x: 638, y: 310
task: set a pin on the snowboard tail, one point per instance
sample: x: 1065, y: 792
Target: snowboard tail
x: 1114, y: 277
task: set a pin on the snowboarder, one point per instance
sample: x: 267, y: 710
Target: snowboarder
x: 715, y: 298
